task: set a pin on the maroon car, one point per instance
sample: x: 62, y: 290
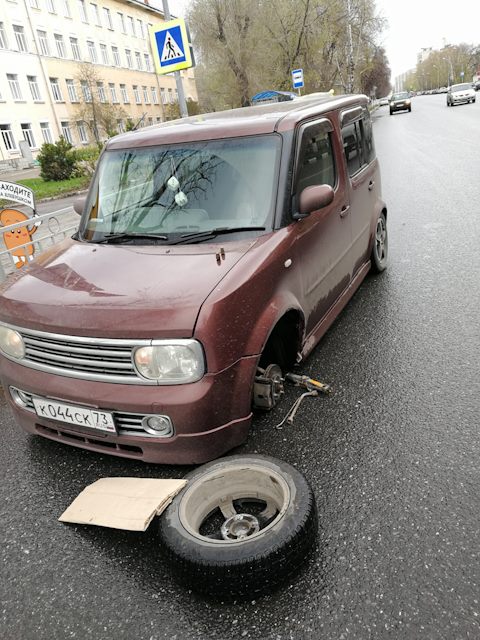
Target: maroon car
x: 209, y: 249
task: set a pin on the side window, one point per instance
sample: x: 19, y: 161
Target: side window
x: 352, y: 147
x: 316, y: 162
x: 368, y: 146
x: 358, y: 143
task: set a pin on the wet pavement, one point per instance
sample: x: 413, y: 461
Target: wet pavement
x: 393, y: 455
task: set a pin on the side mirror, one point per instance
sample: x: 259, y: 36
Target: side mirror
x: 313, y: 199
x: 79, y: 205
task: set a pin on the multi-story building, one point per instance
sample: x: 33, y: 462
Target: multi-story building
x: 61, y: 58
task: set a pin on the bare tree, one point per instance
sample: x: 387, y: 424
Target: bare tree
x: 94, y: 110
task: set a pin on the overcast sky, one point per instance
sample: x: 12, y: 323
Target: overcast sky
x: 413, y: 24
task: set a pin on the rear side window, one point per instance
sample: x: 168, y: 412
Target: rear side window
x: 358, y: 143
x: 316, y: 162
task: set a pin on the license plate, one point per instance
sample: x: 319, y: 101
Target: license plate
x: 73, y: 414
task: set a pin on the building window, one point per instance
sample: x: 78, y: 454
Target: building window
x: 128, y: 55
x: 146, y: 97
x: 158, y: 119
x: 28, y: 134
x: 121, y: 21
x: 148, y: 62
x: 82, y: 132
x: 75, y: 48
x: 102, y: 96
x: 72, y: 92
x: 140, y: 31
x: 82, y: 10
x: 87, y: 94
x: 43, y: 41
x: 116, y: 56
x: 104, y: 53
x: 154, y: 95
x: 14, y: 86
x: 66, y: 9
x: 124, y: 92
x: 121, y: 126
x: 170, y: 96
x: 57, y: 94
x: 34, y: 4
x: 66, y: 133
x: 7, y: 136
x: 3, y: 37
x: 108, y: 17
x: 92, y: 52
x: 150, y: 122
x: 34, y: 88
x: 20, y: 37
x: 138, y: 60
x: 136, y: 94
x: 60, y: 46
x: 113, y: 93
x: 46, y: 133
x: 176, y: 96
x: 163, y: 95
x: 50, y: 6
x: 131, y: 26
x: 96, y: 15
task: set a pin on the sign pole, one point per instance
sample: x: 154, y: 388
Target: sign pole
x: 178, y: 79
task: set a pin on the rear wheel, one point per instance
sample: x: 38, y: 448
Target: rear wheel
x: 380, y: 245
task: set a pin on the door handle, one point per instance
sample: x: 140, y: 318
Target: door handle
x: 371, y: 184
x: 344, y: 210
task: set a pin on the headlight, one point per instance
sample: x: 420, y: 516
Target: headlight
x: 11, y: 343
x: 407, y: 101
x: 171, y: 361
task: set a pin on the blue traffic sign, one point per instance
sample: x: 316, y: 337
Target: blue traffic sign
x: 170, y: 46
x: 297, y: 78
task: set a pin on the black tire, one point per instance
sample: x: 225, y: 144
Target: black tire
x: 409, y: 109
x: 379, y: 255
x: 247, y: 561
x: 391, y: 112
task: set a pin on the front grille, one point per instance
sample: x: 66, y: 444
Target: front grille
x: 99, y: 359
x: 126, y: 423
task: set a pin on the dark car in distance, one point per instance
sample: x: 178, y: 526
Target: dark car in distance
x: 400, y: 102
x: 212, y: 255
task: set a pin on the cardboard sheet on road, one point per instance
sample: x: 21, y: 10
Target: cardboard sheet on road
x: 122, y: 503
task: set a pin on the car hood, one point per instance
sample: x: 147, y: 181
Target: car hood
x: 117, y: 290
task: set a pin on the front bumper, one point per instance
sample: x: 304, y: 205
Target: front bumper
x: 209, y: 417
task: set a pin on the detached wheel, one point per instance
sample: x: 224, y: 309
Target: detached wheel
x: 380, y: 246
x: 240, y: 527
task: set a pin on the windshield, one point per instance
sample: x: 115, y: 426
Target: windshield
x: 461, y: 87
x: 180, y: 191
x: 400, y: 96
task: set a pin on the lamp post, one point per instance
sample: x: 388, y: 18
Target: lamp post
x: 450, y: 77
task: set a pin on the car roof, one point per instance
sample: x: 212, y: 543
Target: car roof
x: 260, y: 119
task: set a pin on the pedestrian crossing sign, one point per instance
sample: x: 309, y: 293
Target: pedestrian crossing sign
x: 170, y: 46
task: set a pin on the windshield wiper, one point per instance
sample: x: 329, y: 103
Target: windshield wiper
x: 126, y: 237
x: 199, y: 236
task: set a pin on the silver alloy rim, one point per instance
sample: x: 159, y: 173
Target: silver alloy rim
x: 380, y: 240
x: 221, y: 501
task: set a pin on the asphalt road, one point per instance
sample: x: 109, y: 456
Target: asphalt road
x: 393, y: 455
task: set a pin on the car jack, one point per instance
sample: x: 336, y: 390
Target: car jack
x: 314, y: 388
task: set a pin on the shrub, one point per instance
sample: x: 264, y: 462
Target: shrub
x: 86, y: 160
x: 57, y: 161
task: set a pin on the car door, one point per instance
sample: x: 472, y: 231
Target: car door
x: 364, y: 179
x: 323, y: 238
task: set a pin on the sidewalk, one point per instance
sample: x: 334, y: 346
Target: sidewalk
x: 14, y: 176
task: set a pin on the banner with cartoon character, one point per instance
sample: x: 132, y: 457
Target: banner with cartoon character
x: 18, y: 240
